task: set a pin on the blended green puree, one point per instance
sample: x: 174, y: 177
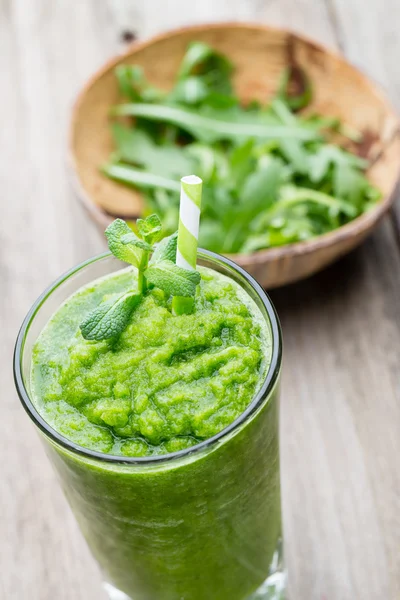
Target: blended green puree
x: 201, y: 527
x: 167, y: 383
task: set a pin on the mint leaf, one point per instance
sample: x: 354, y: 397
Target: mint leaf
x: 116, y: 235
x: 150, y: 228
x: 173, y: 280
x: 132, y: 238
x: 110, y: 318
x: 166, y: 249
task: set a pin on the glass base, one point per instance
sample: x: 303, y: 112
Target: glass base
x: 273, y: 588
x: 113, y: 593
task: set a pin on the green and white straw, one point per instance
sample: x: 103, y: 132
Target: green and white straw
x: 188, y: 233
x: 189, y: 220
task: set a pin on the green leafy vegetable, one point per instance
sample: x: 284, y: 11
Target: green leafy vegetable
x: 124, y: 244
x: 295, y: 88
x: 174, y: 280
x: 212, y: 127
x: 138, y: 148
x: 202, y: 62
x: 132, y: 239
x: 112, y: 316
x: 166, y: 249
x: 134, y: 86
x: 271, y: 172
x: 150, y: 228
x: 140, y: 178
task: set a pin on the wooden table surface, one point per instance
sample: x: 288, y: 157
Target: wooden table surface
x: 341, y: 393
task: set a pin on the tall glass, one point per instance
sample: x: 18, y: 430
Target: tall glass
x: 199, y: 524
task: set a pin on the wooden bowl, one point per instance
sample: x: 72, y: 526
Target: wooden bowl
x: 260, y: 53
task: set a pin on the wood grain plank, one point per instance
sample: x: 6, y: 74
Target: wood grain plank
x: 341, y: 426
x: 149, y: 17
x: 374, y: 46
x: 340, y: 409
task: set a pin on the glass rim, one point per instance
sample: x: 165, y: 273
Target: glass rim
x: 265, y: 389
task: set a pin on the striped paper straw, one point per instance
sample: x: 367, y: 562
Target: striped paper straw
x: 188, y: 233
x: 189, y: 220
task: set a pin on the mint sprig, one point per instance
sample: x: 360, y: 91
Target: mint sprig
x: 166, y: 249
x: 123, y: 243
x: 150, y: 229
x: 174, y: 280
x: 110, y: 318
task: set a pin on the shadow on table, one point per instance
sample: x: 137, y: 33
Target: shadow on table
x: 324, y: 288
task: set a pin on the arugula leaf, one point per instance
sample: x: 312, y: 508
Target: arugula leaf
x: 262, y: 187
x: 166, y: 249
x: 295, y: 88
x: 211, y: 233
x: 319, y: 164
x: 137, y: 147
x: 173, y: 280
x: 192, y: 91
x: 292, y: 195
x: 213, y: 69
x: 140, y: 179
x: 331, y: 155
x: 295, y: 229
x: 283, y: 112
x: 213, y: 128
x: 110, y: 318
x: 131, y: 144
x: 296, y: 155
x: 292, y: 150
x: 129, y: 78
x: 133, y: 85
x: 350, y: 184
x: 241, y: 162
x: 207, y: 160
x: 123, y: 247
x: 270, y: 174
x: 150, y: 228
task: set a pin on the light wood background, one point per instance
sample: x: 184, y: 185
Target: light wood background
x: 341, y: 396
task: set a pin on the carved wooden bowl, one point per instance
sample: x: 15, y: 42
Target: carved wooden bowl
x: 260, y: 53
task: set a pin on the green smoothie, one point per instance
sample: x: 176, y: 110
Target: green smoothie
x: 167, y: 383
x: 203, y: 525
